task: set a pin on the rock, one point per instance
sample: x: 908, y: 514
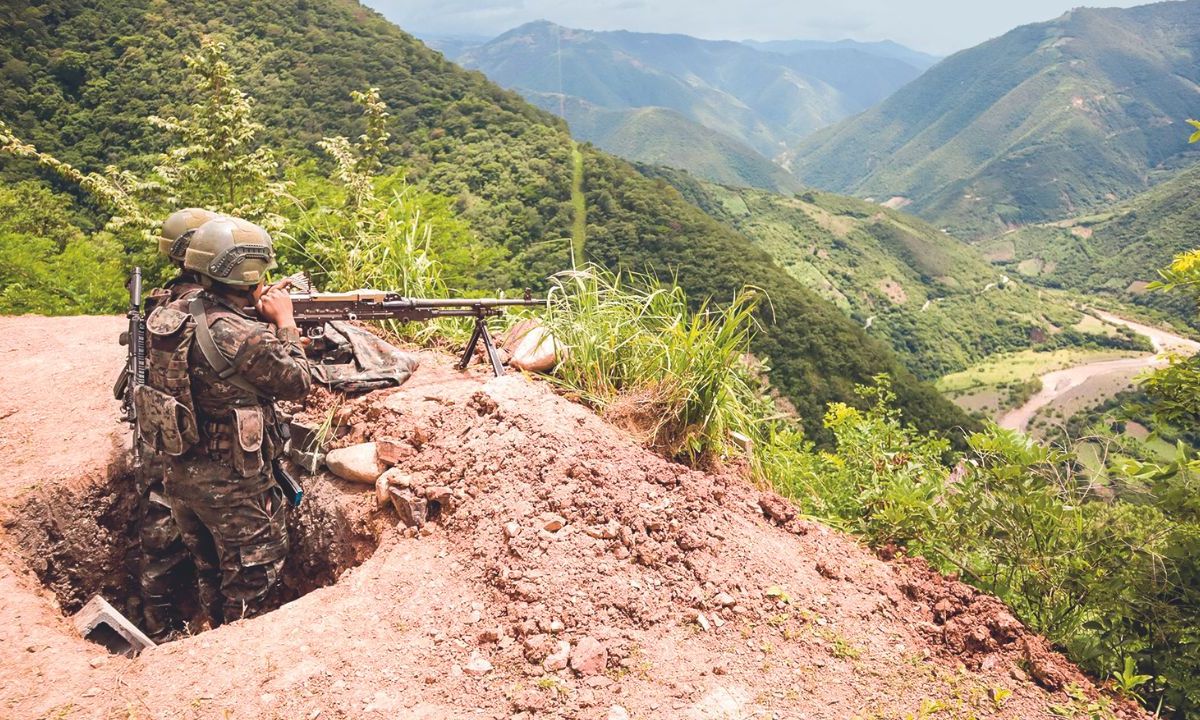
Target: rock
x: 828, y: 570
x: 99, y: 661
x: 702, y: 621
x: 531, y: 700
x: 616, y: 712
x: 410, y: 509
x: 478, y: 665
x: 589, y: 657
x: 357, y: 463
x: 512, y: 529
x: 392, y: 478
x: 393, y: 452
x: 775, y: 507
x: 724, y: 600
x: 552, y: 522
x: 559, y: 659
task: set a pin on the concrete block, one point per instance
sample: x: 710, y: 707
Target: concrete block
x: 101, y: 623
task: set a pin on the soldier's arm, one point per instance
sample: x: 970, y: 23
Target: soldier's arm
x: 271, y: 360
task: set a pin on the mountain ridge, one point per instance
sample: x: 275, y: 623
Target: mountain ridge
x: 1045, y: 121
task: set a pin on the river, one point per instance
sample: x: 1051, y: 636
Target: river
x: 1060, y: 382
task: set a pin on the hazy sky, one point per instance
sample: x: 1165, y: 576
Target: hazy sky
x: 935, y: 26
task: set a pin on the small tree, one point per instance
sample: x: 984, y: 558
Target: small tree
x: 218, y: 162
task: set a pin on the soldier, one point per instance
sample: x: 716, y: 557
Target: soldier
x: 213, y: 376
x: 163, y: 553
x: 176, y: 235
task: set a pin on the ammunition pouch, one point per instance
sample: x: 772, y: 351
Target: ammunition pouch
x: 164, y: 423
x: 166, y: 416
x: 248, y: 433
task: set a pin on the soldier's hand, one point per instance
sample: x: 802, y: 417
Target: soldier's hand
x: 274, y: 305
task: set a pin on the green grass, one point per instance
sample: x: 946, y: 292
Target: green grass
x: 1023, y: 365
x: 578, y: 204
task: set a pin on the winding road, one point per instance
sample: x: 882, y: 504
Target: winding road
x: 1060, y: 382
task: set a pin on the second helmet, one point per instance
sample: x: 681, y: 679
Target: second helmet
x: 231, y: 251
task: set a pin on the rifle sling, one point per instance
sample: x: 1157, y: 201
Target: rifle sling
x: 212, y: 354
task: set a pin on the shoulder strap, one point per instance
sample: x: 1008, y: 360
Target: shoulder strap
x: 208, y: 347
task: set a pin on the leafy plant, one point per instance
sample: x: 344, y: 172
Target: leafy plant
x: 1127, y: 680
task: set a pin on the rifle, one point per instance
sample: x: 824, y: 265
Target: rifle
x: 134, y: 338
x: 313, y: 309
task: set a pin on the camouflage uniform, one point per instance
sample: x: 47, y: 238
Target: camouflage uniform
x: 163, y: 556
x: 222, y: 492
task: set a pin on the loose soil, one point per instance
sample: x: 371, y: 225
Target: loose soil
x: 676, y: 593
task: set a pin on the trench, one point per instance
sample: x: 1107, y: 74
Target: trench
x: 82, y: 543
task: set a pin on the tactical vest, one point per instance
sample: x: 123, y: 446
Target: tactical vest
x: 166, y: 415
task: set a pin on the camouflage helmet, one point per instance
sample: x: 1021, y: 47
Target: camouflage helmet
x: 178, y: 229
x: 230, y: 250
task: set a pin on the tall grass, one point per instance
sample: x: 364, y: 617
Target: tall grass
x: 385, y: 246
x: 633, y: 349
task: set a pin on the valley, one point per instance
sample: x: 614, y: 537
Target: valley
x: 1077, y: 387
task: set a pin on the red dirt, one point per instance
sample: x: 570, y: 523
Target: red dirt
x: 682, y: 594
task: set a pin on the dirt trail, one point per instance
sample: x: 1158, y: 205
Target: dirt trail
x: 578, y: 576
x: 1060, y: 383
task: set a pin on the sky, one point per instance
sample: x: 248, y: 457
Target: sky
x: 939, y: 27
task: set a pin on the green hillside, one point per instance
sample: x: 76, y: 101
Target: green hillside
x: 765, y: 100
x: 664, y: 137
x: 80, y: 78
x: 934, y: 299
x: 1042, y: 123
x: 1115, y: 253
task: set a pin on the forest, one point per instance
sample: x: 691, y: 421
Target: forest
x: 374, y: 162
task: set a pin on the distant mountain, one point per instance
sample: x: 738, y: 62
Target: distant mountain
x: 1116, y: 252
x: 665, y: 137
x: 765, y: 100
x: 934, y: 299
x: 451, y: 46
x: 881, y: 48
x: 1042, y: 123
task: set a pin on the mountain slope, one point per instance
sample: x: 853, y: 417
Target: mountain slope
x: 664, y: 137
x: 1116, y: 252
x: 765, y: 100
x: 505, y: 164
x: 1038, y: 124
x: 934, y: 299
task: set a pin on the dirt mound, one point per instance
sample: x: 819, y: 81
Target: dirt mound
x: 572, y: 575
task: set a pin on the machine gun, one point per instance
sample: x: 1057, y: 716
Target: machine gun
x: 313, y: 309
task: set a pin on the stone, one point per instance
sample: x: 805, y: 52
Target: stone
x: 99, y: 661
x: 589, y: 657
x: 393, y: 451
x: 559, y: 659
x: 724, y: 600
x: 512, y: 529
x: 478, y: 665
x: 828, y: 570
x: 391, y: 478
x: 702, y: 621
x: 616, y: 712
x: 552, y: 522
x: 532, y: 701
x: 775, y: 507
x: 410, y: 509
x: 356, y: 463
